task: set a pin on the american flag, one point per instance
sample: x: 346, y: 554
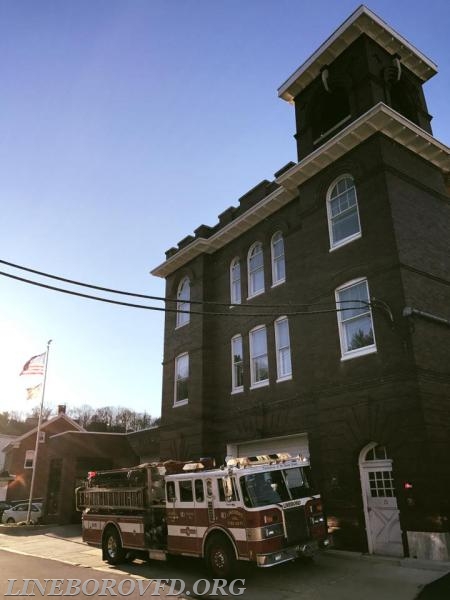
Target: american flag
x: 35, y: 366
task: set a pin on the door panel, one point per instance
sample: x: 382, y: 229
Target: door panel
x: 382, y: 515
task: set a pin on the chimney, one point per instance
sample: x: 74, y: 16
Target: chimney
x: 61, y: 409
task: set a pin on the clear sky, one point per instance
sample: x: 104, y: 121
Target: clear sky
x: 124, y: 125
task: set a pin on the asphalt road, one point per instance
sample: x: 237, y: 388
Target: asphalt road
x: 67, y: 580
x: 331, y: 576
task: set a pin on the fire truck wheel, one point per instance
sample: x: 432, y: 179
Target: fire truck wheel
x: 112, y: 547
x: 220, y: 557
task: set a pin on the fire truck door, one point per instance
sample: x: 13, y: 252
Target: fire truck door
x: 188, y: 533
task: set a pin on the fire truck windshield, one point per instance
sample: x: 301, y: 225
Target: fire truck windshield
x: 272, y: 487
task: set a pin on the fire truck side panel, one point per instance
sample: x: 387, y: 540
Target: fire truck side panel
x: 131, y: 529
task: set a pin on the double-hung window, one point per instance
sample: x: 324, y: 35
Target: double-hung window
x: 283, y: 348
x: 343, y: 215
x: 235, y: 281
x: 181, y: 395
x: 355, y: 319
x: 183, y: 304
x: 278, y: 266
x: 237, y: 364
x: 259, y: 364
x: 29, y: 459
x: 255, y: 270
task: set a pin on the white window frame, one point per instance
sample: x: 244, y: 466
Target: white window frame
x: 252, y: 292
x: 29, y: 456
x: 183, y: 303
x: 354, y: 236
x: 235, y: 281
x: 281, y: 349
x: 178, y: 359
x: 277, y: 236
x: 253, y: 358
x: 235, y: 365
x: 369, y: 349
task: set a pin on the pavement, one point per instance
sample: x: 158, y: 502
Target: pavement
x: 333, y: 575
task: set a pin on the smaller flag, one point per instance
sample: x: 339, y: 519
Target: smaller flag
x: 35, y: 366
x: 34, y: 392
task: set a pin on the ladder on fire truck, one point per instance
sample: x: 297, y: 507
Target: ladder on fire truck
x: 115, y: 498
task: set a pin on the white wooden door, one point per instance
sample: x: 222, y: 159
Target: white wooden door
x: 382, y: 515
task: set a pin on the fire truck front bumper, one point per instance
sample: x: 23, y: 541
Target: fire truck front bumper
x: 307, y: 549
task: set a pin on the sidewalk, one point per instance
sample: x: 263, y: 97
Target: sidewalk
x: 334, y: 575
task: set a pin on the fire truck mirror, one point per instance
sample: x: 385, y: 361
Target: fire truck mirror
x: 170, y: 490
x: 228, y: 488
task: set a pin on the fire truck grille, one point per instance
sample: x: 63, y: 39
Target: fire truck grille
x: 296, y: 527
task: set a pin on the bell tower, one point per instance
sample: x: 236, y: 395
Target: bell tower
x: 365, y: 62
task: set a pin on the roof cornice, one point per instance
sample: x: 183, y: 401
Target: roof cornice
x: 363, y: 20
x: 44, y: 425
x: 379, y: 119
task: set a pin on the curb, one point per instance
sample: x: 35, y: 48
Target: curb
x: 409, y: 563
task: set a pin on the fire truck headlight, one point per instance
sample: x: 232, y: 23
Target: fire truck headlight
x: 274, y: 530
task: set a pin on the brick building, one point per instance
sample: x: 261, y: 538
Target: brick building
x: 66, y: 453
x: 322, y: 323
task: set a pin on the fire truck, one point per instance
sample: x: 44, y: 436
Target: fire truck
x: 261, y: 509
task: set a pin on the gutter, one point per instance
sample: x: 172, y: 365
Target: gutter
x: 408, y: 311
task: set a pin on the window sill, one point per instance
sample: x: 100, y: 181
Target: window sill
x: 359, y: 352
x: 182, y: 325
x: 237, y: 390
x: 284, y: 378
x: 277, y: 283
x: 260, y: 384
x: 256, y: 294
x: 345, y: 241
x: 180, y: 403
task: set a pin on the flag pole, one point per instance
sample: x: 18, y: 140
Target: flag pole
x: 36, y: 447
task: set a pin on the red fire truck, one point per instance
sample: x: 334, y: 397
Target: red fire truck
x: 260, y: 509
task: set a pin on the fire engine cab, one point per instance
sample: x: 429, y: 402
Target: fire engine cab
x: 260, y: 509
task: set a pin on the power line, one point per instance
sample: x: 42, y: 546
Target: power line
x: 175, y: 310
x: 146, y: 296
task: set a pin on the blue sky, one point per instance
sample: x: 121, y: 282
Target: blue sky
x: 124, y: 125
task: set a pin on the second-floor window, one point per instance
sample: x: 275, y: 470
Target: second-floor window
x: 181, y: 394
x: 235, y: 282
x: 29, y: 459
x: 355, y: 319
x: 343, y: 215
x: 255, y: 270
x: 237, y: 360
x: 259, y: 364
x: 278, y: 267
x: 283, y: 347
x: 183, y: 304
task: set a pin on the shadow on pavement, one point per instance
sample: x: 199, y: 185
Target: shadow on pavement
x: 437, y: 590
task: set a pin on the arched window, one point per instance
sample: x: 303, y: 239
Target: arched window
x: 255, y: 270
x: 183, y: 304
x: 278, y: 267
x: 235, y: 281
x: 343, y: 215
